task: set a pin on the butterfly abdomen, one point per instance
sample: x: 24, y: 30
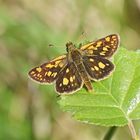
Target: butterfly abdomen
x: 84, y: 76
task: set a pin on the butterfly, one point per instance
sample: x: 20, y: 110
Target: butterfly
x: 79, y: 66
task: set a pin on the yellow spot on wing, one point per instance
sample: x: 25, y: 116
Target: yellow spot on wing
x: 99, y: 44
x: 57, y: 62
x: 107, y: 39
x: 67, y: 70
x: 54, y: 74
x: 90, y: 51
x: 105, y: 48
x: 38, y: 69
x: 96, y: 68
x: 101, y: 65
x: 91, y: 60
x: 90, y: 47
x: 46, y: 73
x: 61, y: 65
x: 49, y: 66
x: 87, y: 45
x: 92, y: 69
x: 65, y: 81
x: 114, y: 39
x: 71, y: 79
x: 113, y: 36
x: 49, y: 73
x: 95, y: 48
x: 32, y: 72
x: 102, y: 53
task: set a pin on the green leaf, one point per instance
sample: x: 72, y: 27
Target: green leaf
x: 116, y: 100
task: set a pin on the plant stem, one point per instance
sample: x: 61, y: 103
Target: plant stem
x: 110, y: 133
x: 132, y: 130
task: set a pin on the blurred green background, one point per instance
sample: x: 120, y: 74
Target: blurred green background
x: 34, y: 31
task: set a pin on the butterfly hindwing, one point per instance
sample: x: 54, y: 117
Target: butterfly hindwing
x: 69, y: 79
x: 97, y: 67
x: 48, y: 72
x: 104, y: 47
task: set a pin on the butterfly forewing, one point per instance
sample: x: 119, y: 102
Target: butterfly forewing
x: 69, y: 79
x: 48, y: 72
x: 104, y: 47
x: 97, y: 67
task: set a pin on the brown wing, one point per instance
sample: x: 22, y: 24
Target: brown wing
x: 69, y: 80
x: 97, y: 67
x: 48, y: 72
x: 104, y: 47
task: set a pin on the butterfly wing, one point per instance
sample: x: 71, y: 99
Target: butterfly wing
x: 69, y: 80
x: 48, y: 72
x: 104, y: 47
x: 97, y: 67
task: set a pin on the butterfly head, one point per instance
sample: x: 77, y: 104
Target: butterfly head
x: 70, y: 46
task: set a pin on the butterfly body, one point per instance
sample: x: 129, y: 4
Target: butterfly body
x: 79, y: 66
x: 75, y: 56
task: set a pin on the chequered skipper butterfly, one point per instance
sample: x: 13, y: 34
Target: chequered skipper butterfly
x: 79, y: 66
